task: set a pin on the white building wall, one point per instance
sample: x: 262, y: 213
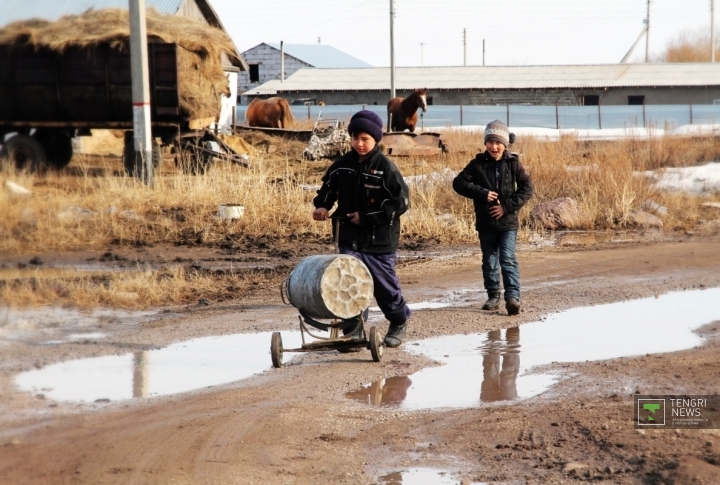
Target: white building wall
x: 228, y: 106
x: 268, y: 60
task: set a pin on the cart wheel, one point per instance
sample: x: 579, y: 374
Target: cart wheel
x: 376, y: 345
x: 276, y: 350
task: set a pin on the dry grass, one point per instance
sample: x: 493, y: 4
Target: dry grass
x: 90, y: 205
x: 143, y: 288
x: 201, y: 77
x: 90, y: 212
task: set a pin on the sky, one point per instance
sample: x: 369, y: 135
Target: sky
x: 516, y: 32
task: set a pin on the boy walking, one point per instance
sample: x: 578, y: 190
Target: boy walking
x: 497, y: 183
x: 371, y: 196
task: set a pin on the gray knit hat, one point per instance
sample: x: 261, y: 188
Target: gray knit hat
x: 498, y: 131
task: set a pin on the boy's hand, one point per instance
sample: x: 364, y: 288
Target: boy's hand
x: 354, y: 218
x: 492, y: 196
x: 320, y: 214
x: 497, y: 211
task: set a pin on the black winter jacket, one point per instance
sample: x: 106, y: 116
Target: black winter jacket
x: 478, y: 178
x: 374, y: 188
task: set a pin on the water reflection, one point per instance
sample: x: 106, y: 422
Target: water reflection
x: 180, y: 367
x: 385, y: 392
x: 140, y: 374
x: 665, y: 323
x: 501, y: 363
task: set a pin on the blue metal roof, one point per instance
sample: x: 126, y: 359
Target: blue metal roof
x: 14, y: 10
x: 319, y: 55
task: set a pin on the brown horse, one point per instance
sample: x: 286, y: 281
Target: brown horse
x: 269, y: 113
x: 402, y: 112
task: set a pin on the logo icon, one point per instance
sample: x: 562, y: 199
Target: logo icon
x: 651, y: 412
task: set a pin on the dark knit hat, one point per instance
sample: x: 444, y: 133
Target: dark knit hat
x: 368, y: 122
x: 498, y: 131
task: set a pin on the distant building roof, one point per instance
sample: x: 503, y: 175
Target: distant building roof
x: 502, y: 77
x: 14, y: 10
x: 319, y: 55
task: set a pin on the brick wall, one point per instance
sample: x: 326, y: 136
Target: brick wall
x: 268, y: 60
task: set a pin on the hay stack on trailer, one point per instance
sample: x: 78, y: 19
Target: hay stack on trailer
x: 201, y: 78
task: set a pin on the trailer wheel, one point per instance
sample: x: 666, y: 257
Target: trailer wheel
x: 191, y: 160
x: 24, y: 152
x: 276, y: 350
x: 58, y: 147
x: 157, y: 154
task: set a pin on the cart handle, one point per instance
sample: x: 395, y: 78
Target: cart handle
x: 284, y: 291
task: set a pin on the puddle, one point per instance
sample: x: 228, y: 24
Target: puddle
x: 181, y: 367
x: 420, y: 476
x: 651, y: 325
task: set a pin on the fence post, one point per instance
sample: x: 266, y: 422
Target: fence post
x: 461, y: 114
x: 308, y: 111
x: 234, y: 119
x: 557, y: 116
x: 507, y: 115
x: 599, y: 116
x: 691, y: 114
x: 644, y: 122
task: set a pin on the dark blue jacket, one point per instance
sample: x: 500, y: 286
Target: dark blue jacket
x: 374, y: 188
x: 515, y: 189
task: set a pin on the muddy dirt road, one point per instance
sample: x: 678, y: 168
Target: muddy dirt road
x: 296, y: 426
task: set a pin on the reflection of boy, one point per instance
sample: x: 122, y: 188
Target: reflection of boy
x: 499, y: 186
x: 371, y: 196
x: 499, y: 381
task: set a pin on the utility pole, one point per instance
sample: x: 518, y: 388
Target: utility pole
x: 282, y: 61
x: 464, y: 46
x: 140, y: 92
x: 392, y: 49
x: 647, y: 34
x: 422, y: 57
x: 712, y: 30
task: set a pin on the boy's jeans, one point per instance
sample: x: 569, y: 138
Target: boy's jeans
x: 500, y: 247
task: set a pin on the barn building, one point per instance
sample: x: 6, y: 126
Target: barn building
x: 565, y: 85
x: 201, y: 10
x: 264, y: 62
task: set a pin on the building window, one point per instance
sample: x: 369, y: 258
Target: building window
x: 254, y: 73
x: 429, y: 100
x: 636, y: 100
x: 591, y: 100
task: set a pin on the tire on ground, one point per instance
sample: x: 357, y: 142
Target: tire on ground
x: 58, y: 147
x: 24, y: 153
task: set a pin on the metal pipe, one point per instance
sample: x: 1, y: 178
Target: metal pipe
x: 464, y: 47
x: 282, y: 61
x: 140, y: 88
x: 712, y: 30
x: 392, y: 49
x: 647, y: 34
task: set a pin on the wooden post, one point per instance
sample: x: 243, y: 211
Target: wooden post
x: 599, y: 115
x: 507, y: 115
x: 461, y: 114
x: 691, y: 114
x: 557, y: 116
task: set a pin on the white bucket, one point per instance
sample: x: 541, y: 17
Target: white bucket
x: 231, y: 211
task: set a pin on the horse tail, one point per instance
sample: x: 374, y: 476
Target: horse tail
x: 287, y: 116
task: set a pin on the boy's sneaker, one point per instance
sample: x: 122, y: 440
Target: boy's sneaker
x: 493, y: 302
x: 512, y: 305
x: 395, y: 334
